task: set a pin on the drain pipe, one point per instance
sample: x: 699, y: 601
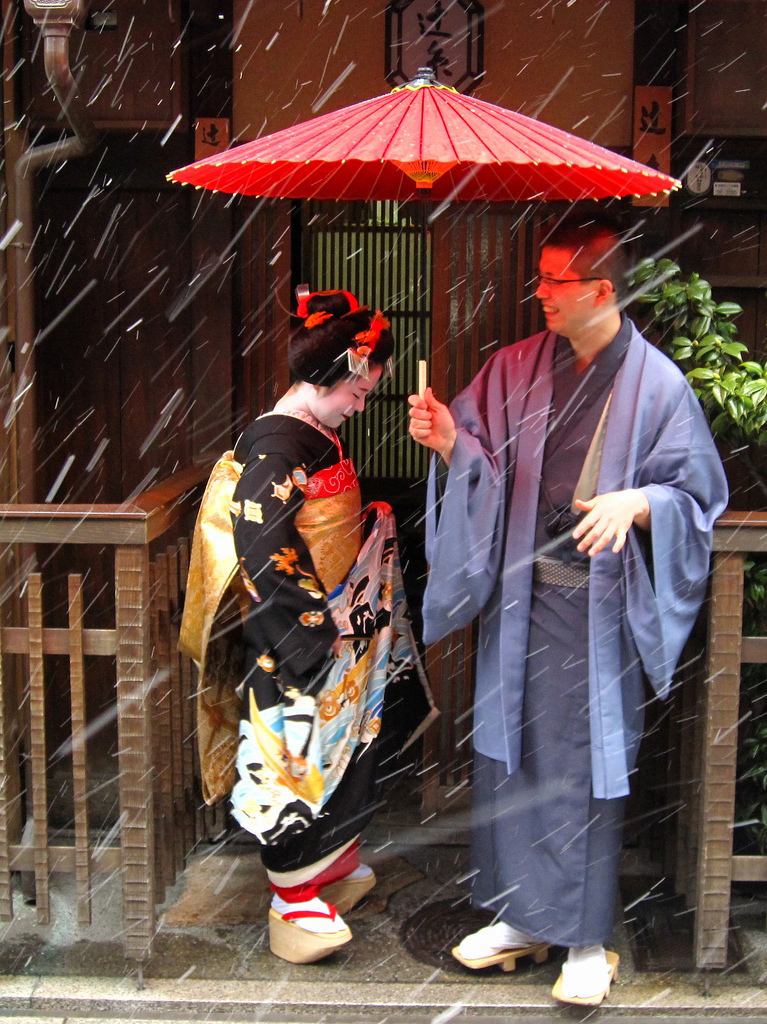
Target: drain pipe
x: 56, y: 19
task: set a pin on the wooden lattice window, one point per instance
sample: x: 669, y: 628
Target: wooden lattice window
x: 381, y: 252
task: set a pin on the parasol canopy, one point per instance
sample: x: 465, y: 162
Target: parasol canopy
x: 424, y: 139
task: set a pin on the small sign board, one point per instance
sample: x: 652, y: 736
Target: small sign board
x: 727, y: 188
x: 698, y: 178
x: 652, y: 134
x: 444, y: 35
x: 211, y: 135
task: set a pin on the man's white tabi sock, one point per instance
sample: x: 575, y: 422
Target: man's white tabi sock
x: 585, y: 972
x: 495, y: 938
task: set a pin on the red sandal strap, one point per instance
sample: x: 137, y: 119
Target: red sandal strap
x: 297, y: 893
x: 292, y: 915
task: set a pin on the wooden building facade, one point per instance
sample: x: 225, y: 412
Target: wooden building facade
x: 161, y: 315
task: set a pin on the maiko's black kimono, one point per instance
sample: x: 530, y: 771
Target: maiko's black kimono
x: 318, y: 729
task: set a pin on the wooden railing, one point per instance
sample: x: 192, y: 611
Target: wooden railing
x: 160, y: 815
x: 159, y: 819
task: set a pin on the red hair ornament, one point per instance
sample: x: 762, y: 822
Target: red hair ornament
x: 303, y: 295
x: 314, y: 319
x: 365, y: 344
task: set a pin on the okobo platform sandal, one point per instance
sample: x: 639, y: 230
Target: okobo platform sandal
x: 297, y: 945
x: 346, y: 893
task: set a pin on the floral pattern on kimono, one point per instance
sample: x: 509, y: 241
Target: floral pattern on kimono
x: 293, y: 755
x: 308, y: 716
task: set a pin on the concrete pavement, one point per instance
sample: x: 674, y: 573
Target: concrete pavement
x: 212, y: 962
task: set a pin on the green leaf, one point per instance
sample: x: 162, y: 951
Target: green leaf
x: 734, y: 348
x: 699, y: 327
x: 701, y: 373
x: 665, y: 266
x: 720, y: 423
x: 728, y: 309
x: 735, y: 408
x: 698, y: 289
x: 645, y: 269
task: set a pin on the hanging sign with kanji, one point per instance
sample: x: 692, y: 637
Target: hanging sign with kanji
x: 211, y: 135
x: 652, y: 134
x: 444, y: 35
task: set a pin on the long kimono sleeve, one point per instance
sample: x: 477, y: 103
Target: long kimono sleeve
x: 464, y: 509
x: 686, y: 487
x: 290, y: 618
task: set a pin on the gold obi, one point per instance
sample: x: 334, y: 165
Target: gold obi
x: 331, y: 528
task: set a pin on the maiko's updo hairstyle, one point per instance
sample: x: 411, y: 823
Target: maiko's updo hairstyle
x: 318, y: 350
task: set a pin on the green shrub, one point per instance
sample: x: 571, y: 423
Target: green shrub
x: 700, y: 335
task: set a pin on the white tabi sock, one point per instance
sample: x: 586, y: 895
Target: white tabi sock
x: 495, y: 938
x: 586, y: 972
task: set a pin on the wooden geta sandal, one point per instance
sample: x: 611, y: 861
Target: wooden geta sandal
x: 612, y: 964
x: 506, y: 958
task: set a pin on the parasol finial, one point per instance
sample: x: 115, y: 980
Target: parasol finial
x: 424, y: 78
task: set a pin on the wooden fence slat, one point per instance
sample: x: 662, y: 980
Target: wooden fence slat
x: 754, y: 649
x: 105, y: 859
x: 79, y: 753
x: 56, y: 641
x: 37, y: 744
x: 749, y: 868
x: 6, y: 896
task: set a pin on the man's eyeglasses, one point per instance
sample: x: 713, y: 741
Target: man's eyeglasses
x: 553, y: 281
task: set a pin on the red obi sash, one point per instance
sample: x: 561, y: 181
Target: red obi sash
x: 331, y: 481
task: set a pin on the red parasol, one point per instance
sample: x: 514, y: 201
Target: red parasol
x: 424, y: 139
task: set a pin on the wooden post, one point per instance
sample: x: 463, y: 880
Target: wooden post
x: 188, y: 689
x: 164, y: 825
x: 6, y: 898
x: 176, y: 705
x: 719, y: 722
x: 134, y: 722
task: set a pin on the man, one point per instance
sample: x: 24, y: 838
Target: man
x: 571, y: 509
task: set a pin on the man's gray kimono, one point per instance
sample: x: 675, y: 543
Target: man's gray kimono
x: 641, y: 603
